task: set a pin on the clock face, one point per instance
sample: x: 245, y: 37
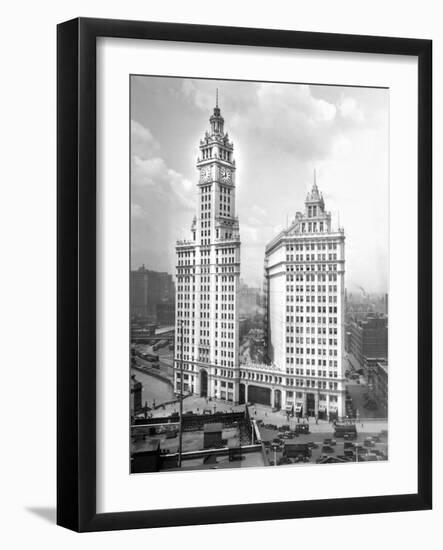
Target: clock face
x: 225, y: 174
x: 205, y: 174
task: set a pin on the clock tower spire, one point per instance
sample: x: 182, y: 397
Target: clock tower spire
x: 216, y: 165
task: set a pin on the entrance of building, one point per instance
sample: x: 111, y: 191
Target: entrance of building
x: 203, y: 383
x: 277, y: 399
x: 310, y: 404
x: 241, y: 394
x: 259, y: 395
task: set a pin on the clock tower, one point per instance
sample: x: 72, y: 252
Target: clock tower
x: 208, y: 276
x: 216, y: 166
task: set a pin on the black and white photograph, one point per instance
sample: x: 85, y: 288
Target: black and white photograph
x: 221, y: 284
x: 259, y: 274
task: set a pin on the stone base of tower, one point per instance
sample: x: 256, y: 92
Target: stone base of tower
x: 202, y: 381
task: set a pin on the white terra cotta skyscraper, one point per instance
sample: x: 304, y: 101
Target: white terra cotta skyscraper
x: 304, y: 269
x: 208, y: 275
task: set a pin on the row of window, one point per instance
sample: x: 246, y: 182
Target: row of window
x: 313, y: 267
x: 311, y: 246
x: 204, y: 279
x: 314, y: 227
x: 320, y: 341
x: 312, y: 372
x: 311, y: 330
x: 307, y: 319
x: 311, y: 309
x: 311, y: 288
x: 320, y: 362
x: 310, y: 257
x: 320, y: 298
x: 311, y: 351
x: 331, y: 277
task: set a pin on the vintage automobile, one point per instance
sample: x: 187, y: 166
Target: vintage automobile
x: 302, y: 429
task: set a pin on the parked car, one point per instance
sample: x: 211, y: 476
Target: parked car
x: 327, y: 449
x: 283, y: 460
x: 302, y: 429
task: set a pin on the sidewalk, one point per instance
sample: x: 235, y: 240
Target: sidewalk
x: 264, y: 413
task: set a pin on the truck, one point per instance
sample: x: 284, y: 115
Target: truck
x: 347, y: 431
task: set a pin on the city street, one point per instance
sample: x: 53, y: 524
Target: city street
x: 318, y: 438
x: 357, y: 392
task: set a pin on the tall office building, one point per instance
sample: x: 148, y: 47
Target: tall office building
x: 208, y: 272
x: 304, y: 268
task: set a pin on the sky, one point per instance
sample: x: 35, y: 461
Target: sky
x: 281, y: 134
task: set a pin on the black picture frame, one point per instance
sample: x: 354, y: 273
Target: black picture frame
x: 76, y: 280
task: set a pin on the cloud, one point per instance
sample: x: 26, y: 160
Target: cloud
x: 143, y: 144
x: 258, y: 210
x: 349, y: 109
x: 290, y: 118
x: 162, y: 203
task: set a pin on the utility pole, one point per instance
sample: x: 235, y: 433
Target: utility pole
x: 180, y: 435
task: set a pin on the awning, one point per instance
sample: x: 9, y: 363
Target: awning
x: 322, y: 409
x: 289, y: 407
x: 298, y: 407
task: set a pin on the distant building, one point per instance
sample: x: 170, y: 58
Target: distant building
x: 166, y: 313
x: 249, y: 299
x: 369, y: 339
x: 148, y: 289
x: 136, y: 395
x: 380, y: 385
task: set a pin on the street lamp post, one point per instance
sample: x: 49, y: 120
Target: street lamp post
x: 180, y: 436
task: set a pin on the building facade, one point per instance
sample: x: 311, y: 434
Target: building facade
x: 368, y: 339
x: 380, y: 385
x: 304, y: 270
x: 208, y: 276
x: 148, y: 289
